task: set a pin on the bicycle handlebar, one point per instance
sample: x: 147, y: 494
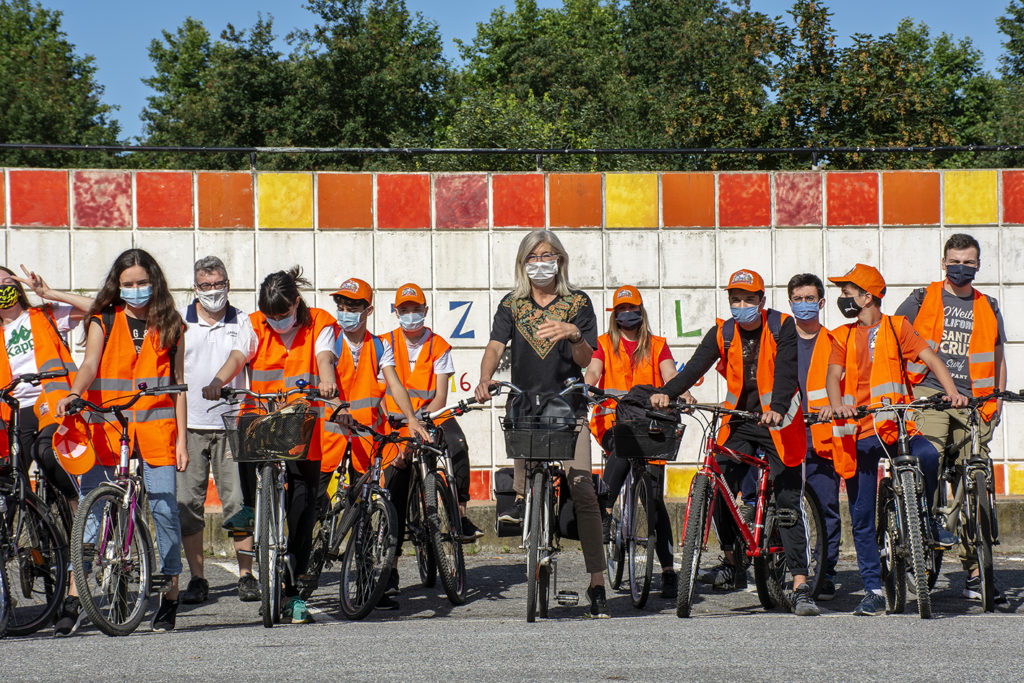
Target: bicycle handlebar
x: 78, y: 404
x: 32, y: 378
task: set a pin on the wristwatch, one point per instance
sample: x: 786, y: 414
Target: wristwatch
x: 577, y: 338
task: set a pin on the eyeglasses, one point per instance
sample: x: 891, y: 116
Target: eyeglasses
x: 207, y: 286
x: 546, y: 256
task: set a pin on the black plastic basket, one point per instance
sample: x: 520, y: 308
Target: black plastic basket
x: 284, y: 434
x: 647, y: 439
x: 551, y: 439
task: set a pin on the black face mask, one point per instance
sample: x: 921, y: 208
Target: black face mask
x: 848, y: 307
x: 629, y: 319
x: 959, y: 274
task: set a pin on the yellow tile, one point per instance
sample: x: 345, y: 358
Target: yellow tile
x: 677, y: 480
x: 631, y: 200
x: 1016, y: 473
x: 971, y: 197
x: 285, y: 200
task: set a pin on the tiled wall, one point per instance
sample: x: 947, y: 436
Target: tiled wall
x: 676, y: 236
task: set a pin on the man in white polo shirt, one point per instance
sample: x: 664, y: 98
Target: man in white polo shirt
x: 212, y: 327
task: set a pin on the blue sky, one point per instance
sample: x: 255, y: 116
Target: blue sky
x: 118, y: 32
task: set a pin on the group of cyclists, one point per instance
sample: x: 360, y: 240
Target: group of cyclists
x: 946, y: 338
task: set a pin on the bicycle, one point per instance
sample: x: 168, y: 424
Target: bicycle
x: 33, y: 551
x: 972, y: 513
x: 759, y: 539
x: 112, y: 551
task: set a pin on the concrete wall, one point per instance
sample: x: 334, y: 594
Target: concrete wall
x: 676, y: 236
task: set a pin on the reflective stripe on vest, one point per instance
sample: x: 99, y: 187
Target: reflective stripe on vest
x: 817, y: 395
x: 619, y: 376
x: 359, y: 386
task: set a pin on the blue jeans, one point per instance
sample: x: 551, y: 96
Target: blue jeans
x: 90, y: 480
x: 161, y: 488
x: 862, y: 490
x: 820, y: 476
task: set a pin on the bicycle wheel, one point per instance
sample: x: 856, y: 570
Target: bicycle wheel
x: 814, y: 528
x: 698, y: 507
x: 112, y: 558
x: 369, y: 554
x: 37, y: 566
x: 268, y: 554
x: 893, y: 563
x: 533, y: 542
x: 770, y: 565
x: 442, y: 513
x: 983, y: 538
x: 615, y: 549
x: 418, y: 531
x: 915, y: 540
x: 5, y: 594
x: 641, y: 542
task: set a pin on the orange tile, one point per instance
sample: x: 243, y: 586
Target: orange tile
x: 344, y: 200
x: 575, y: 200
x: 225, y: 199
x: 1013, y: 197
x: 403, y: 200
x: 518, y: 200
x: 480, y: 484
x: 163, y: 199
x: 744, y: 200
x: 688, y: 200
x: 1000, y: 476
x: 910, y: 198
x: 39, y: 198
x: 852, y: 198
x: 3, y: 204
x: 212, y: 498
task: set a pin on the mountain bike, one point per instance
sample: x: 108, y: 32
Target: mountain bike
x: 759, y: 538
x: 112, y: 551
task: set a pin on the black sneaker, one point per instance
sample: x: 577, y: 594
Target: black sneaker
x: 802, y: 602
x: 163, y: 620
x: 387, y: 602
x: 598, y: 603
x: 248, y: 588
x: 669, y: 584
x: 872, y: 604
x: 393, y: 589
x: 972, y: 591
x: 828, y: 589
x: 944, y: 539
x: 470, y: 531
x: 70, y: 619
x: 514, y: 515
x: 198, y: 591
x: 724, y: 576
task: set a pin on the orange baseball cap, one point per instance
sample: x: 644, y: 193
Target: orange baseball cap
x: 746, y: 280
x: 410, y: 293
x: 72, y: 447
x: 354, y: 288
x: 626, y: 294
x: 866, y: 277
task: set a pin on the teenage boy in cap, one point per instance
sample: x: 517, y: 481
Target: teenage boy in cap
x: 756, y: 352
x: 424, y: 365
x: 869, y: 364
x: 965, y: 328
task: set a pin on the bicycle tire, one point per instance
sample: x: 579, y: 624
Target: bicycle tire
x: 615, y: 549
x: 890, y: 551
x: 641, y: 542
x: 770, y: 568
x: 367, y: 560
x: 442, y: 515
x: 533, y: 540
x: 697, y: 509
x: 103, y: 564
x: 5, y: 595
x: 38, y: 567
x: 268, y: 553
x: 915, y: 540
x: 983, y: 539
x: 814, y: 528
x: 419, y: 533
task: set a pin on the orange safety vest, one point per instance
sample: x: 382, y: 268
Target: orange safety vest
x: 276, y: 368
x: 420, y: 381
x: 817, y: 397
x: 619, y: 376
x: 887, y: 380
x: 790, y: 437
x: 359, y: 386
x: 981, y: 356
x: 51, y: 353
x: 152, y: 423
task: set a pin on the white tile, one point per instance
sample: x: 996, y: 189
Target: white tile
x: 401, y: 256
x: 95, y: 251
x: 461, y: 259
x: 739, y: 249
x: 341, y: 255
x: 796, y: 251
x: 1012, y: 255
x: 281, y: 250
x: 463, y: 318
x: 478, y: 426
x: 894, y: 298
x: 467, y: 373
x: 504, y: 247
x: 991, y: 249
x: 174, y: 250
x: 848, y: 247
x: 1012, y: 305
x: 910, y: 256
x: 631, y: 257
x: 688, y: 258
x: 45, y: 252
x: 586, y: 267
x: 236, y: 249
x: 687, y: 314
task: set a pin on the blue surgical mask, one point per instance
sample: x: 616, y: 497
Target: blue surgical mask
x: 804, y: 310
x: 349, y: 321
x: 283, y: 325
x: 137, y: 297
x: 411, y: 322
x: 745, y: 314
x: 959, y: 274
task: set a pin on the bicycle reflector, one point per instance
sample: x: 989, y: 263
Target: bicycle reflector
x: 71, y: 444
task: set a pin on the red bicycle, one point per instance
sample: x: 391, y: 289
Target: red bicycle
x: 758, y: 539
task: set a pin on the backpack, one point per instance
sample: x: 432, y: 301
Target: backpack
x: 729, y: 329
x: 378, y: 345
x: 637, y: 403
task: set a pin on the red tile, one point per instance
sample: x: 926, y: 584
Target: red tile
x: 852, y: 198
x: 403, y: 200
x: 344, y: 200
x: 480, y: 484
x: 797, y: 199
x: 1013, y: 197
x: 460, y: 200
x: 163, y: 199
x: 3, y: 204
x: 744, y: 200
x: 103, y: 199
x: 39, y: 198
x: 518, y: 200
x: 225, y: 199
x: 1000, y: 481
x: 575, y: 200
x: 688, y: 200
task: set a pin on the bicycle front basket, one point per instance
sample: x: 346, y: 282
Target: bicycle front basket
x: 235, y: 426
x: 647, y: 439
x: 550, y: 439
x: 284, y: 434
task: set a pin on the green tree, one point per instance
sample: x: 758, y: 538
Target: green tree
x: 49, y: 93
x: 1006, y: 126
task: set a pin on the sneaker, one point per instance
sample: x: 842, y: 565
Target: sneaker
x: 724, y: 576
x: 387, y: 602
x: 972, y: 591
x: 243, y: 520
x: 872, y: 604
x: 163, y: 620
x: 393, y: 588
x: 828, y: 589
x: 470, y: 531
x: 295, y: 612
x: 598, y: 603
x: 248, y: 588
x: 514, y: 515
x: 802, y: 602
x: 198, y: 591
x: 606, y: 527
x: 669, y: 584
x: 70, y: 619
x: 943, y: 538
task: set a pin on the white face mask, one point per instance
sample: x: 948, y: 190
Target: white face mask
x: 542, y: 273
x: 411, y: 322
x: 213, y: 301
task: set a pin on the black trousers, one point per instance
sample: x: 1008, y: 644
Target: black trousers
x: 302, y: 503
x: 37, y: 446
x: 459, y: 449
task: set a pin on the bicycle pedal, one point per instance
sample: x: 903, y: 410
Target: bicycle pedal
x: 159, y: 583
x: 247, y: 553
x: 567, y: 598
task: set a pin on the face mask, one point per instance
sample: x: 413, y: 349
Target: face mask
x: 349, y: 321
x: 848, y: 307
x: 213, y: 301
x: 137, y: 296
x: 804, y: 310
x: 542, y: 272
x: 745, y: 314
x: 629, y: 319
x: 282, y: 326
x: 411, y: 322
x: 8, y: 296
x: 959, y: 274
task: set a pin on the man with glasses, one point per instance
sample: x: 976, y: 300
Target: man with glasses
x: 212, y: 326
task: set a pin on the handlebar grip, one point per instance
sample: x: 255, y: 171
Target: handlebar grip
x: 663, y: 417
x: 599, y: 393
x: 172, y: 389
x: 342, y: 405
x: 50, y: 374
x: 75, y: 406
x: 226, y: 393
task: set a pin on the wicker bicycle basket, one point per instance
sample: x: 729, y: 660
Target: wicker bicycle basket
x: 284, y: 434
x: 550, y: 439
x: 647, y: 439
